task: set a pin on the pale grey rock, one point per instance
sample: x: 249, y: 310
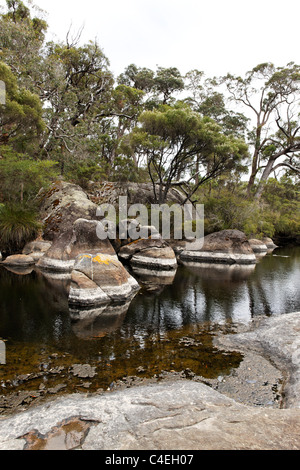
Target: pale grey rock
x: 278, y: 339
x: 181, y: 415
x: 227, y: 246
x: 14, y: 444
x: 61, y: 205
x: 258, y: 246
x: 36, y: 249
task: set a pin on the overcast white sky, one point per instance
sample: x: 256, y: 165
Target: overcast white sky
x: 215, y: 36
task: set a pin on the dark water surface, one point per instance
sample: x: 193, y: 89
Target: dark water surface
x: 169, y: 325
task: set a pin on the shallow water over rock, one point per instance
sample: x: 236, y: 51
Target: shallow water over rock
x: 169, y: 326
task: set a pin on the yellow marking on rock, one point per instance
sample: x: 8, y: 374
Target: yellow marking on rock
x: 100, y: 260
x: 85, y: 256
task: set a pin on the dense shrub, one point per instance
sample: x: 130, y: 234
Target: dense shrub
x: 18, y: 225
x: 276, y: 214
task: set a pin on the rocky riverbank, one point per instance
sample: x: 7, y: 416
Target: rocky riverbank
x: 256, y: 407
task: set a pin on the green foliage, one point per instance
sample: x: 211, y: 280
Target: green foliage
x: 284, y: 198
x: 22, y: 177
x: 21, y: 115
x: 277, y: 214
x: 179, y: 143
x: 18, y: 225
x: 83, y: 172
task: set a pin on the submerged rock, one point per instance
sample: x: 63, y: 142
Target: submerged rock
x: 227, y: 246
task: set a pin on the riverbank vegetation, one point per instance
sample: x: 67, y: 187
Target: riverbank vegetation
x: 229, y: 142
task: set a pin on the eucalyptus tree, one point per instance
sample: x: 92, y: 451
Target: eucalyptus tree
x: 271, y: 94
x: 21, y: 122
x: 205, y: 98
x: 159, y: 86
x: 22, y: 37
x: 172, y: 138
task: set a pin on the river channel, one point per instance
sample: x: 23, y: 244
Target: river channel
x: 168, y: 326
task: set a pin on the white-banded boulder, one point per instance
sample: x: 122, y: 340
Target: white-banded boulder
x: 269, y: 243
x: 150, y: 253
x: 226, y: 246
x: 68, y: 245
x: 258, y: 246
x: 85, y: 292
x: 99, y: 279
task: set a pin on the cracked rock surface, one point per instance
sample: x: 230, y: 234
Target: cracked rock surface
x: 178, y: 415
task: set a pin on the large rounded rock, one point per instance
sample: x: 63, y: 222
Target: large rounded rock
x: 269, y: 243
x: 85, y: 292
x: 150, y: 253
x: 227, y: 246
x: 101, y: 278
x: 136, y: 193
x: 61, y: 206
x: 69, y: 244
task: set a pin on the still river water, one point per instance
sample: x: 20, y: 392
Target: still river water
x: 169, y: 325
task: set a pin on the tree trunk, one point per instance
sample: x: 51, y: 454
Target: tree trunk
x: 266, y: 173
x: 255, y: 158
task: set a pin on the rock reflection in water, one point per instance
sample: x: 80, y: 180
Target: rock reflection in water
x: 97, y: 322
x: 21, y: 271
x: 222, y: 272
x: 199, y: 293
x: 154, y: 280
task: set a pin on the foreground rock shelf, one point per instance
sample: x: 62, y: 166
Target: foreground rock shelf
x: 179, y: 414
